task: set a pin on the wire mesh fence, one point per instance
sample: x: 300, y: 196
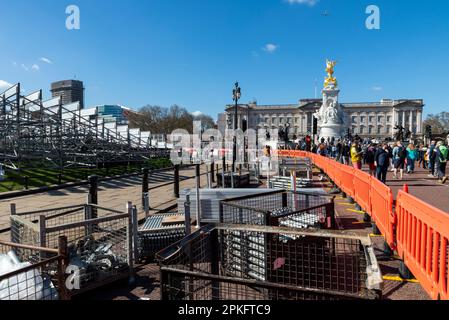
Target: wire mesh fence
x: 25, y: 275
x: 227, y: 262
x: 280, y: 208
x: 100, y: 241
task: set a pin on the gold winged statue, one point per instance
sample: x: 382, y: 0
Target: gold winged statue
x: 330, y: 79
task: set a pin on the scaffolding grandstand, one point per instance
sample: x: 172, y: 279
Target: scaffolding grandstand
x: 34, y: 132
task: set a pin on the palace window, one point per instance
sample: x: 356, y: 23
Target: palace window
x: 354, y: 119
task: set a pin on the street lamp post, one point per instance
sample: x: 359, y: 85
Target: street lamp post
x: 236, y: 95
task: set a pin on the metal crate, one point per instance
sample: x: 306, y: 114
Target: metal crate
x: 295, y: 264
x: 210, y: 201
x: 286, y: 183
x: 281, y: 209
x: 153, y: 236
x: 100, y: 240
x: 25, y: 275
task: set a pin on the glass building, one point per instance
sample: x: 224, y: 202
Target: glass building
x: 112, y: 113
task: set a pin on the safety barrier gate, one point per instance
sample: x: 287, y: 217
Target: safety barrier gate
x: 422, y: 243
x: 418, y: 231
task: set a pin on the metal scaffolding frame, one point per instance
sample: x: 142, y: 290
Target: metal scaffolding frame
x: 51, y: 134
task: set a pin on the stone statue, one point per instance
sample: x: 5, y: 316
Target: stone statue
x: 399, y: 135
x: 330, y: 116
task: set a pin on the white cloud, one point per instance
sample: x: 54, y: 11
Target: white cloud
x: 197, y: 113
x: 45, y: 60
x: 376, y: 88
x: 4, y: 85
x: 309, y: 3
x: 35, y: 67
x: 24, y: 67
x: 270, y: 47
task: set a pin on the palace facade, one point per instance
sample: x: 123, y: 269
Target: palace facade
x: 368, y: 120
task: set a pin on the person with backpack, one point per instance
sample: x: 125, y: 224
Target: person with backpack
x: 399, y: 157
x: 441, y: 157
x: 382, y: 162
x: 412, y: 156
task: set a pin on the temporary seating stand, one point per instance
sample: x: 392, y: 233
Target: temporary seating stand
x: 418, y: 231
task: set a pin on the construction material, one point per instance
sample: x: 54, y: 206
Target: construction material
x: 24, y: 275
x: 210, y: 201
x: 281, y: 208
x: 229, y: 262
x: 101, y: 249
x: 234, y: 180
x: 286, y: 183
x: 154, y: 235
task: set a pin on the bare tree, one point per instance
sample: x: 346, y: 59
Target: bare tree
x: 161, y: 120
x: 438, y: 122
x: 207, y: 122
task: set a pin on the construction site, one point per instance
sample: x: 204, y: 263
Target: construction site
x: 314, y: 229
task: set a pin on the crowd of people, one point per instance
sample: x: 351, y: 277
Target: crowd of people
x: 380, y: 157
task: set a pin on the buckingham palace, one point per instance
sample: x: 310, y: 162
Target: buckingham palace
x: 368, y: 120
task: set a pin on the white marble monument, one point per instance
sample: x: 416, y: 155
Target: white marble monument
x: 330, y: 116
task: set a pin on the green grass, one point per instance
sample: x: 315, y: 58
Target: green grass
x: 42, y: 177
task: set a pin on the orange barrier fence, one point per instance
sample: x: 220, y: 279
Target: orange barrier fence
x: 422, y: 243
x: 362, y: 190
x: 347, y: 180
x: 381, y: 199
x: 418, y: 231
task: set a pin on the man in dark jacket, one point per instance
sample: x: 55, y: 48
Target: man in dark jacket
x: 382, y: 162
x: 432, y: 158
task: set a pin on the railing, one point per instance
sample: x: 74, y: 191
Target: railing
x: 418, y: 231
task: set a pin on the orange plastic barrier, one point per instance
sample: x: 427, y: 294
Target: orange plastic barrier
x: 422, y: 242
x: 381, y: 198
x: 347, y: 180
x: 336, y: 168
x: 362, y: 190
x: 418, y: 231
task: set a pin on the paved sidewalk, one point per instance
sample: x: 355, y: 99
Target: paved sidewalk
x: 111, y: 194
x: 423, y: 187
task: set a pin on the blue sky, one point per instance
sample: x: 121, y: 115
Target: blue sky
x: 191, y: 52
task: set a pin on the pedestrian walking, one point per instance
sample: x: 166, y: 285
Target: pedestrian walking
x: 382, y: 162
x: 412, y: 156
x: 370, y: 159
x: 441, y: 157
x: 431, y: 155
x: 399, y: 157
